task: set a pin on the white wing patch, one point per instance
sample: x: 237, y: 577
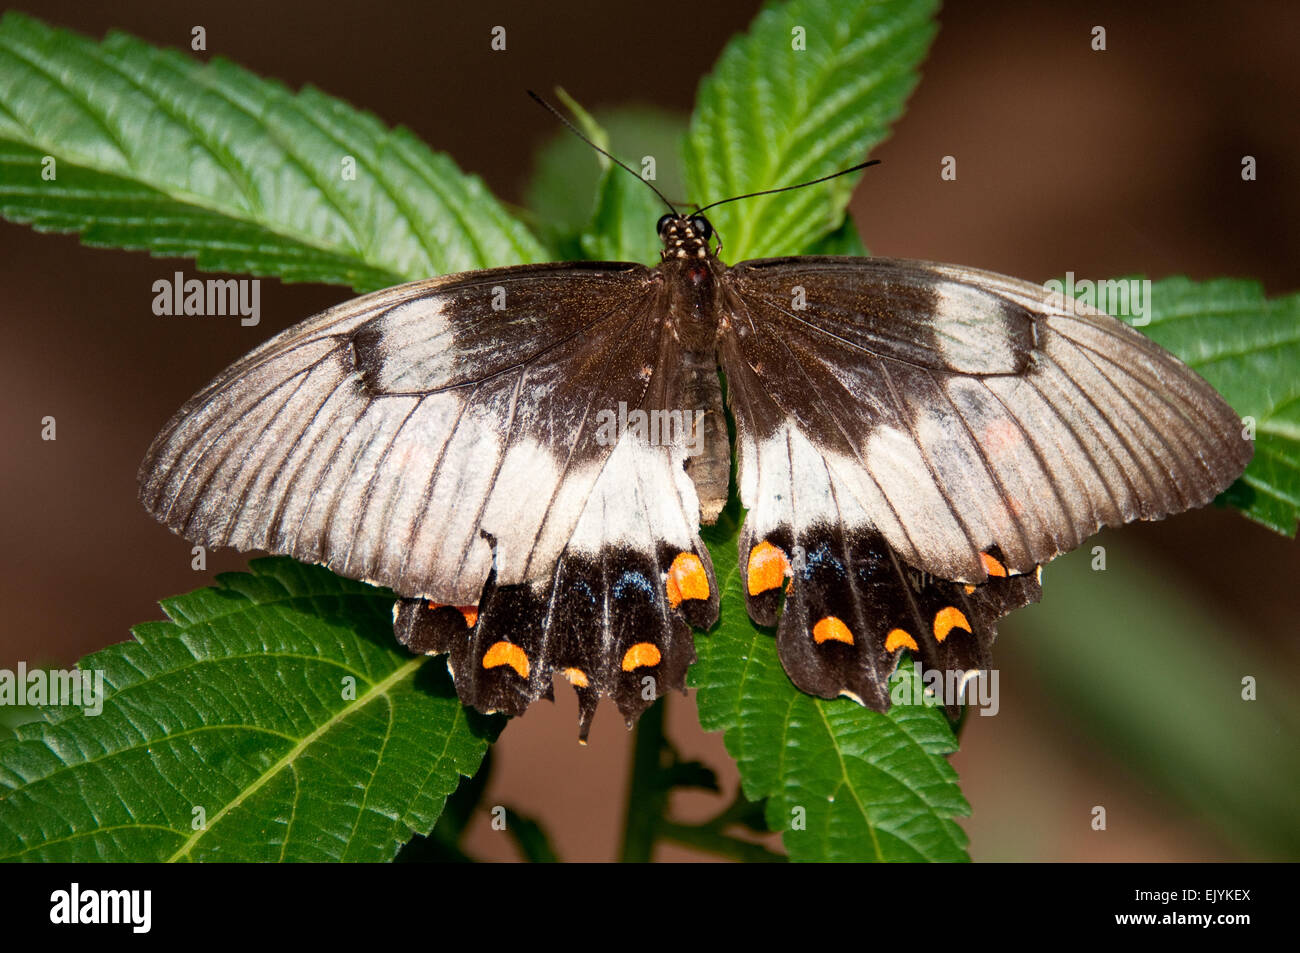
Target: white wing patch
x: 403, y: 441
x: 642, y: 496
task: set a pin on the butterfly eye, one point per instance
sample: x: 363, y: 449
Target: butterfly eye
x: 664, y: 221
x: 702, y: 227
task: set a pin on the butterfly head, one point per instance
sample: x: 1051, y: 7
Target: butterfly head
x: 685, y: 236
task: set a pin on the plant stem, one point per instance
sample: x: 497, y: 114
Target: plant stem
x: 715, y: 842
x: 647, y: 803
x: 646, y: 797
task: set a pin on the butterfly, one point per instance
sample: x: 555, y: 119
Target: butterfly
x: 525, y: 455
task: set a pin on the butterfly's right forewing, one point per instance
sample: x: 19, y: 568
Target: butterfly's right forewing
x: 901, y: 421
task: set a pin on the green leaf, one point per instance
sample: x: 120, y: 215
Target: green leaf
x: 770, y: 115
x: 443, y: 845
x: 620, y: 226
x: 240, y: 706
x: 623, y: 226
x: 1248, y: 348
x: 843, y: 783
x: 154, y: 150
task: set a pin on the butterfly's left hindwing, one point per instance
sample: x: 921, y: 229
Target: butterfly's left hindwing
x: 452, y: 440
x: 616, y: 623
x: 899, y: 420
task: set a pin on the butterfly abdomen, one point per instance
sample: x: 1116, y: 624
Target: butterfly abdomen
x: 708, y: 460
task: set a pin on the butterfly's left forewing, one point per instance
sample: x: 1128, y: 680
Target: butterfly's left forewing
x: 913, y: 440
x: 452, y: 440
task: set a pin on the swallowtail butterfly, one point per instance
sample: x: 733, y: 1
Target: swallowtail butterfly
x: 525, y: 455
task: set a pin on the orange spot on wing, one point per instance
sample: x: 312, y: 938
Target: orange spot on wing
x: 641, y: 655
x: 504, y: 653
x: 969, y: 589
x: 768, y: 566
x: 945, y: 620
x: 898, y: 639
x: 992, y: 566
x: 577, y: 677
x: 687, y: 579
x: 469, y: 612
x: 831, y: 629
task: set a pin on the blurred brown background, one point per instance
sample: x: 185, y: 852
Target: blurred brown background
x: 1068, y: 160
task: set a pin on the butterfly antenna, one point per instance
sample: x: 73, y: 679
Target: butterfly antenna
x: 787, y: 188
x: 623, y: 165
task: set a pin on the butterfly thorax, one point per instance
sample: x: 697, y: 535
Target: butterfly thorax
x: 692, y: 290
x: 693, y: 278
x: 685, y: 237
